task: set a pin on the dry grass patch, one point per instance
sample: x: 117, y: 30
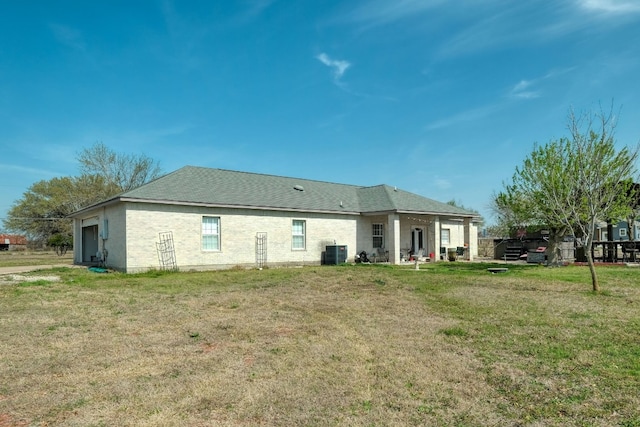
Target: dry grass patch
x: 324, y: 346
x: 446, y: 345
x: 27, y: 258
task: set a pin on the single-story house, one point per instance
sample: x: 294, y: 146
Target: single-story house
x: 198, y: 218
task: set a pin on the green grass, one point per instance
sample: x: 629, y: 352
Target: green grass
x: 449, y: 344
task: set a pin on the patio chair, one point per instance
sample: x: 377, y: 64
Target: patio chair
x: 382, y: 254
x: 630, y: 251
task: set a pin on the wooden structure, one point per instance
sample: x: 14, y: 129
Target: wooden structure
x: 11, y: 242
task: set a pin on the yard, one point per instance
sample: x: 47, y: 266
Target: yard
x: 364, y: 345
x: 28, y: 258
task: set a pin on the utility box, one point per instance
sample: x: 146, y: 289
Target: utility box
x: 535, y: 257
x: 335, y: 254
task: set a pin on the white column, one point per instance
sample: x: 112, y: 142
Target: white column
x: 468, y: 254
x: 436, y: 237
x: 394, y: 238
x: 77, y: 241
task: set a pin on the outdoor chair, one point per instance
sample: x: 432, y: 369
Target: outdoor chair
x: 382, y: 254
x: 630, y: 251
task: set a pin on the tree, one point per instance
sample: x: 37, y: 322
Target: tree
x: 459, y: 204
x: 61, y: 243
x: 571, y: 183
x: 512, y: 212
x: 42, y: 211
x: 125, y: 171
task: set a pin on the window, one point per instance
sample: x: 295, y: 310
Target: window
x: 210, y: 233
x: 622, y: 232
x: 378, y: 235
x: 298, y: 234
x: 445, y: 236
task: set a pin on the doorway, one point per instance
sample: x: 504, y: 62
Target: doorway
x: 417, y: 240
x: 89, y: 243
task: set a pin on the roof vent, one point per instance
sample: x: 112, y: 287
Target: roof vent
x: 298, y: 187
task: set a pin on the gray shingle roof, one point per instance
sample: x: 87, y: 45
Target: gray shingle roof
x: 219, y: 187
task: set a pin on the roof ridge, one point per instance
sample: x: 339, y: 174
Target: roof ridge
x: 269, y: 175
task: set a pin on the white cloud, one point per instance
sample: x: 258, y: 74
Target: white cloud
x: 524, y: 88
x: 339, y: 66
x: 520, y: 90
x: 610, y: 6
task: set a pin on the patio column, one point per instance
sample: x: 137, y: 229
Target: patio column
x: 77, y: 241
x: 468, y: 254
x: 394, y: 238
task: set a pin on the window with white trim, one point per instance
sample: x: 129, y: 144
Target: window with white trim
x: 298, y: 231
x: 210, y: 233
x: 445, y: 236
x: 378, y: 235
x: 622, y: 232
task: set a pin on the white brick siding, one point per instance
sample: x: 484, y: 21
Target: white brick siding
x: 238, y: 229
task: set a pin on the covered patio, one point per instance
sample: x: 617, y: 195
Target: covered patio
x: 400, y: 237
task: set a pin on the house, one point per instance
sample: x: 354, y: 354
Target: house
x: 11, y: 242
x: 199, y: 218
x: 616, y: 231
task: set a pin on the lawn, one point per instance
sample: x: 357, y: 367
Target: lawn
x: 364, y: 345
x: 29, y: 258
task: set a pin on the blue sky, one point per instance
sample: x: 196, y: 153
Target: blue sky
x: 442, y: 98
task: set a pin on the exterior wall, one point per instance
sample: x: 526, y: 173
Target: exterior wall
x: 621, y: 225
x: 238, y: 229
x: 114, y: 247
x: 365, y: 233
x: 111, y: 232
x: 129, y: 234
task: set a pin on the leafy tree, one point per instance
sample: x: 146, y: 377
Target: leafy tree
x: 61, y: 243
x: 571, y: 183
x: 42, y: 211
x: 124, y: 171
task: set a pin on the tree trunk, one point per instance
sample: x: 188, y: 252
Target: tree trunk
x: 553, y: 250
x: 592, y: 269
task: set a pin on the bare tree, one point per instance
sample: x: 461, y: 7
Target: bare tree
x: 125, y: 171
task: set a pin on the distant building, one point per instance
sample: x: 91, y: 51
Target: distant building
x: 10, y: 242
x: 616, y: 231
